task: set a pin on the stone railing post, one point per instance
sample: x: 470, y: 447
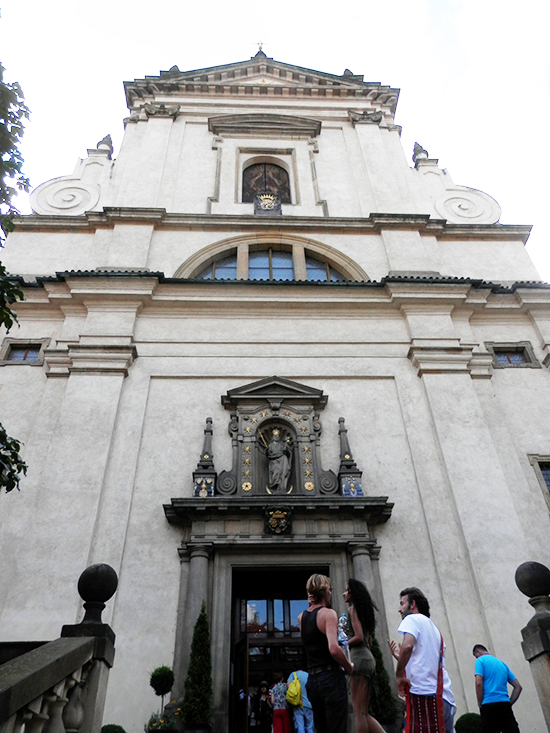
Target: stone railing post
x: 60, y: 686
x: 96, y: 585
x: 533, y: 580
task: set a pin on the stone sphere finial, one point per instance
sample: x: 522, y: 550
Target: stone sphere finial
x: 96, y: 585
x: 533, y: 579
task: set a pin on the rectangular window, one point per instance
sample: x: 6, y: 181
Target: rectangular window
x: 519, y: 354
x: 18, y: 351
x: 541, y: 464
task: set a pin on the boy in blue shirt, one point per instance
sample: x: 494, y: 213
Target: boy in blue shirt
x: 492, y: 679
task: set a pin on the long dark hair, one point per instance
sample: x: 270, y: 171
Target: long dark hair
x: 363, y: 604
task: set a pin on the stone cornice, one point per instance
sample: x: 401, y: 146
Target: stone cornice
x: 375, y: 509
x: 272, y: 124
x: 159, y: 218
x: 259, y: 77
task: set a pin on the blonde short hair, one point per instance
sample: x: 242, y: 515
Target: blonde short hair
x: 318, y: 586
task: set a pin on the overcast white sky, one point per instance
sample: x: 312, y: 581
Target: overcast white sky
x: 474, y: 76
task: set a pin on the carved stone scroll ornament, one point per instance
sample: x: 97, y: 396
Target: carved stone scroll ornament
x: 162, y: 110
x: 462, y: 205
x: 365, y: 118
x: 65, y: 196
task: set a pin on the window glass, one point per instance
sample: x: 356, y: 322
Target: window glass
x: 224, y: 269
x: 321, y: 271
x: 282, y: 267
x: 296, y: 608
x: 256, y: 616
x: 258, y: 266
x: 510, y: 357
x: 278, y: 615
x: 26, y: 352
x: 545, y: 470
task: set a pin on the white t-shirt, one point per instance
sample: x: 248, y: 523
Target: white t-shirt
x: 423, y: 665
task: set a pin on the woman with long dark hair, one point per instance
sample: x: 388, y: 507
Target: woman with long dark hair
x: 360, y: 630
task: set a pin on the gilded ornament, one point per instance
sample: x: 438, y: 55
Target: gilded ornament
x: 307, y: 460
x: 304, y: 429
x: 247, y: 486
x: 347, y: 456
x: 287, y: 413
x: 264, y: 413
x: 246, y: 461
x: 206, y: 456
x: 296, y: 419
x: 309, y: 473
x: 309, y: 486
x: 247, y: 473
x: 247, y: 449
x: 248, y: 429
x: 254, y: 420
x: 306, y: 448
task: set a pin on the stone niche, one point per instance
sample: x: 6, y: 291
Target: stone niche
x: 276, y: 484
x: 276, y: 421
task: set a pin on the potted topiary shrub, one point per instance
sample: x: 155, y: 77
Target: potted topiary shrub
x: 469, y: 723
x: 197, y: 694
x: 162, y: 681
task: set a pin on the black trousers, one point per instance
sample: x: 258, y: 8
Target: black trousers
x: 497, y: 717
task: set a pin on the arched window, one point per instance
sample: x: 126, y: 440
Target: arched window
x: 274, y: 265
x: 265, y: 178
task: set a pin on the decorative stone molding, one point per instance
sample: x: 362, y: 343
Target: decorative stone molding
x: 81, y: 192
x: 436, y: 360
x: 89, y: 358
x: 264, y: 124
x: 365, y: 117
x: 460, y: 204
x: 161, y: 110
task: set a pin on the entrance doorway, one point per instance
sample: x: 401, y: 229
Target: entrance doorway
x: 265, y: 632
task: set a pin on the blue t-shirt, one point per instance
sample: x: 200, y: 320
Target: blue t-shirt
x: 302, y: 676
x: 496, y: 676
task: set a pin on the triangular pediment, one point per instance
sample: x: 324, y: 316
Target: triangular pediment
x: 261, y: 72
x: 275, y: 389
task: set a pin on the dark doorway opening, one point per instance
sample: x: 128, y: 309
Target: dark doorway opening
x: 265, y: 632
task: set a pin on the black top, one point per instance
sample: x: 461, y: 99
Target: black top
x: 315, y: 642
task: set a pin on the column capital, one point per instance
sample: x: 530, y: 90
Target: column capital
x: 203, y: 549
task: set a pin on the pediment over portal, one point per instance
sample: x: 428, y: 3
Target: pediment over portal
x: 274, y: 391
x: 268, y: 124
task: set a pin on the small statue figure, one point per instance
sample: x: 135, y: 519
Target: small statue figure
x: 279, y: 458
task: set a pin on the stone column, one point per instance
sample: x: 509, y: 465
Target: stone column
x: 362, y: 556
x: 197, y: 592
x: 533, y: 579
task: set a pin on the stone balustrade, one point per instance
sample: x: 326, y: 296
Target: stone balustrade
x: 60, y: 686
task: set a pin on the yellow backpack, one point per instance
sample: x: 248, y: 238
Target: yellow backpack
x: 294, y: 692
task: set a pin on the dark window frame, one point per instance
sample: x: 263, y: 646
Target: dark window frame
x: 513, y: 347
x: 10, y: 343
x: 541, y: 466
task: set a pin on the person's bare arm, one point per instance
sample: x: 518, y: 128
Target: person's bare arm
x: 358, y: 635
x: 479, y: 689
x: 516, y: 691
x: 327, y: 623
x: 405, y: 651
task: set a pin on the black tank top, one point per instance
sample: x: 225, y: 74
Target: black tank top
x: 315, y: 642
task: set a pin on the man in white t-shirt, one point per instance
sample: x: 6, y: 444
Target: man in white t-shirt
x: 421, y: 673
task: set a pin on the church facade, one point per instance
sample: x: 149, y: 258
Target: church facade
x: 257, y: 345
